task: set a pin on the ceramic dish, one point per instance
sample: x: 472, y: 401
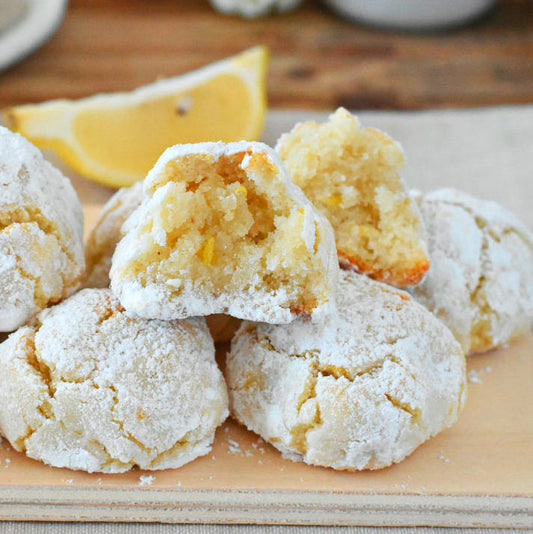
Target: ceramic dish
x: 34, y: 24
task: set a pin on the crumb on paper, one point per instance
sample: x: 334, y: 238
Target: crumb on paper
x: 474, y: 375
x: 257, y: 446
x: 146, y: 480
x: 444, y: 458
x: 234, y: 447
x: 178, y: 483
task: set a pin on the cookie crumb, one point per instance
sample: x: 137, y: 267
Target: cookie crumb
x: 474, y: 375
x: 234, y: 447
x: 146, y: 480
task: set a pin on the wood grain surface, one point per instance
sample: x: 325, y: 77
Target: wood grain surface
x: 318, y: 61
x: 478, y: 473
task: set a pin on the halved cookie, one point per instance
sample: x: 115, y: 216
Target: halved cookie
x: 351, y: 174
x: 222, y: 229
x: 87, y: 387
x: 359, y: 392
x: 480, y: 283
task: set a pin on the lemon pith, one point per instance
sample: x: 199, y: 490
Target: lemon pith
x: 116, y: 138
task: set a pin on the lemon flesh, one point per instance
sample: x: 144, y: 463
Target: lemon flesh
x: 115, y: 139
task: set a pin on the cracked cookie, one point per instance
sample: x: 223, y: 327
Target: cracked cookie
x: 103, y: 239
x: 351, y: 174
x: 41, y: 227
x: 480, y: 283
x: 89, y: 388
x: 222, y: 229
x: 361, y: 392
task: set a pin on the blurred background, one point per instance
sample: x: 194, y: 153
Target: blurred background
x: 319, y: 60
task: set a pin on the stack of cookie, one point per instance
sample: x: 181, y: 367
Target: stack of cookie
x: 334, y: 367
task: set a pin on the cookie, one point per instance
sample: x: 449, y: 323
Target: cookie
x: 106, y: 233
x: 352, y: 175
x: 480, y: 283
x: 89, y: 388
x: 222, y: 229
x: 253, y: 8
x: 41, y: 230
x: 103, y: 239
x: 360, y: 392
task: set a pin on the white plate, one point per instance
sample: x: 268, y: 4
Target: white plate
x: 27, y: 33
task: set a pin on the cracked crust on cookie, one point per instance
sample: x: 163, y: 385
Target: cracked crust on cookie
x: 41, y: 227
x: 480, y: 283
x: 360, y: 392
x: 107, y: 232
x: 86, y: 387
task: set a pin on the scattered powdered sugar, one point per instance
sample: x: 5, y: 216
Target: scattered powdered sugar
x: 144, y: 295
x: 146, y: 480
x: 444, y: 458
x: 474, y: 375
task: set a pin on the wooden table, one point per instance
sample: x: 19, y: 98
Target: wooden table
x: 319, y: 60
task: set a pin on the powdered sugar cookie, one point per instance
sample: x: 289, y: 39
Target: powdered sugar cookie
x: 480, y: 283
x: 87, y: 387
x: 41, y: 226
x: 253, y: 8
x: 222, y: 229
x: 361, y: 392
x: 352, y: 176
x: 106, y: 233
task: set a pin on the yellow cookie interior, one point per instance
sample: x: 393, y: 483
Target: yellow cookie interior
x: 227, y: 227
x: 352, y: 175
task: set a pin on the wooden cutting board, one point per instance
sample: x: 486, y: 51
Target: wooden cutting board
x: 478, y: 473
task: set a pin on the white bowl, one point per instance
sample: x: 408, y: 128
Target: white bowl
x: 412, y: 14
x: 37, y: 22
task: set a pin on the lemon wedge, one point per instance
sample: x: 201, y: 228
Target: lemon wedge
x: 116, y: 138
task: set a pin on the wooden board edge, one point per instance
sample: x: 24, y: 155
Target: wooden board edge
x: 267, y: 508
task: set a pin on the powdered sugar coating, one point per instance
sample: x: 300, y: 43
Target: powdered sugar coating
x: 89, y: 388
x: 41, y: 228
x: 480, y: 283
x: 106, y: 233
x: 159, y: 299
x: 359, y: 392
